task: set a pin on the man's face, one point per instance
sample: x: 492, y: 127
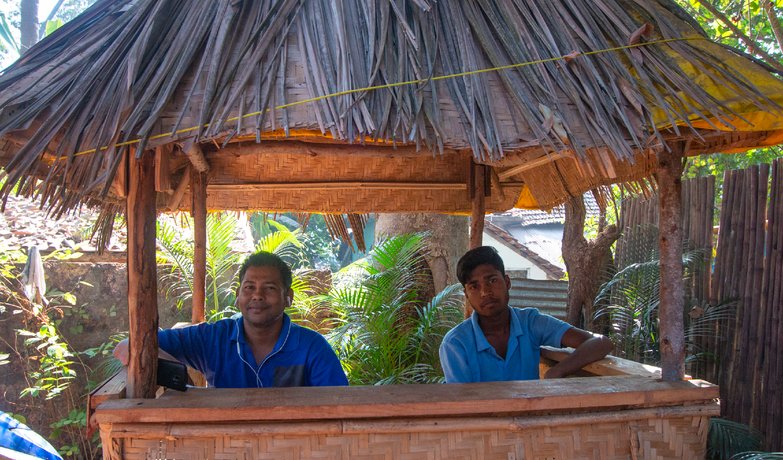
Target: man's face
x: 487, y: 290
x: 262, y: 298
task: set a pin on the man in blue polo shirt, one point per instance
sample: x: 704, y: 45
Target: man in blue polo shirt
x: 261, y: 348
x: 500, y: 343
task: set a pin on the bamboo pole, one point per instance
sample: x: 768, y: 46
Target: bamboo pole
x: 670, y: 312
x: 142, y: 278
x: 772, y: 387
x: 198, y: 209
x: 755, y: 286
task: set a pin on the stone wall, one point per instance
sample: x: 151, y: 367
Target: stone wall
x: 101, y: 310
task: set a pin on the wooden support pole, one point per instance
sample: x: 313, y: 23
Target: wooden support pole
x: 198, y: 209
x: 672, y: 289
x: 478, y: 204
x: 142, y: 278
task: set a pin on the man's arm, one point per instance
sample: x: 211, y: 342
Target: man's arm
x: 454, y: 362
x: 324, y: 368
x: 122, y: 354
x: 588, y: 348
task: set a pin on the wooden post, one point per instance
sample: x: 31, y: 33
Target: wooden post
x: 142, y: 277
x: 478, y: 207
x: 198, y: 209
x: 479, y: 186
x: 672, y: 290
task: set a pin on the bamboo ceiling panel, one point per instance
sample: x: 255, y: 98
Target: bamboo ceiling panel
x: 287, y: 176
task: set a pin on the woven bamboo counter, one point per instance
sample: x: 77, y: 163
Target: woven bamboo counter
x: 620, y: 416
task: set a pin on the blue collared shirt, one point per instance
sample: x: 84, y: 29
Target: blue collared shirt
x: 466, y: 355
x: 301, y: 356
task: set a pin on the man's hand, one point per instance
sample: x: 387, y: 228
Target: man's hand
x: 588, y: 348
x: 121, y: 352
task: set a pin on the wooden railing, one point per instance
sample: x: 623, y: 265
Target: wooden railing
x: 624, y: 411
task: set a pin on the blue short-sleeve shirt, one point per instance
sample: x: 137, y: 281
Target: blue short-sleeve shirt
x: 301, y: 356
x: 466, y: 355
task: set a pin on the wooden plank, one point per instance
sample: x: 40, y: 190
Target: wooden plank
x: 111, y: 388
x: 325, y: 403
x: 611, y: 365
x: 398, y: 425
x: 142, y: 278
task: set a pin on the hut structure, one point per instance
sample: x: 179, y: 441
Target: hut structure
x: 143, y: 106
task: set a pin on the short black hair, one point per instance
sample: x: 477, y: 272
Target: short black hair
x: 267, y: 259
x: 478, y: 256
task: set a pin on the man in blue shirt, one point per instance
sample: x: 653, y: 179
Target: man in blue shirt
x: 261, y: 348
x: 500, y: 343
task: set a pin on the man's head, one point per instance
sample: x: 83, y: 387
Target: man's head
x: 264, y: 289
x: 478, y: 256
x: 483, y: 276
x: 267, y: 259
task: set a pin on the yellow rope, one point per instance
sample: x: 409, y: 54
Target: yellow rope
x: 402, y: 83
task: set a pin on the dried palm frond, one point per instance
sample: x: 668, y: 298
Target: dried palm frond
x: 563, y: 78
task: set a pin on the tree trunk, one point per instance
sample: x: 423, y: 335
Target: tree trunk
x: 585, y: 262
x: 670, y: 311
x: 198, y: 209
x: 447, y: 243
x: 28, y: 24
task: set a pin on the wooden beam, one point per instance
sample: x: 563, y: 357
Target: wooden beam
x: 313, y: 149
x: 479, y: 183
x: 530, y: 398
x: 142, y: 278
x: 672, y: 289
x: 196, y: 156
x: 198, y: 209
x: 179, y: 192
x: 250, y: 188
x: 503, y: 175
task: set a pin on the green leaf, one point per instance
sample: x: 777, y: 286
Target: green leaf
x: 53, y: 25
x: 69, y: 298
x: 6, y: 36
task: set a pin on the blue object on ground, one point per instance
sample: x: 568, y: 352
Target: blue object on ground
x: 17, y: 437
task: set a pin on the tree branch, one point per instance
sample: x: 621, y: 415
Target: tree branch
x: 774, y: 22
x: 750, y: 43
x: 42, y: 27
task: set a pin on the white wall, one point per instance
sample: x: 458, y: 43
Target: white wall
x: 512, y: 260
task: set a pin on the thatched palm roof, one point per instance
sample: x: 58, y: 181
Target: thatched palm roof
x: 583, y: 109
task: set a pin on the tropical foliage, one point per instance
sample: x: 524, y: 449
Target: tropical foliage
x: 630, y: 300
x: 176, y: 251
x: 385, y: 329
x: 51, y: 367
x: 726, y: 439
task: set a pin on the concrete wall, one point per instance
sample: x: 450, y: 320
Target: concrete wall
x: 514, y: 261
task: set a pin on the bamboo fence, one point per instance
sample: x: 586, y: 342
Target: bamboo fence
x: 748, y: 268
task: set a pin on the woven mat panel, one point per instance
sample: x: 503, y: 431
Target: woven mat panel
x: 296, y: 167
x: 353, y: 200
x: 670, y: 438
x: 244, y: 177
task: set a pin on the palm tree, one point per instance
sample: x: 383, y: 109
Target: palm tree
x: 385, y: 331
x: 630, y: 300
x: 176, y: 250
